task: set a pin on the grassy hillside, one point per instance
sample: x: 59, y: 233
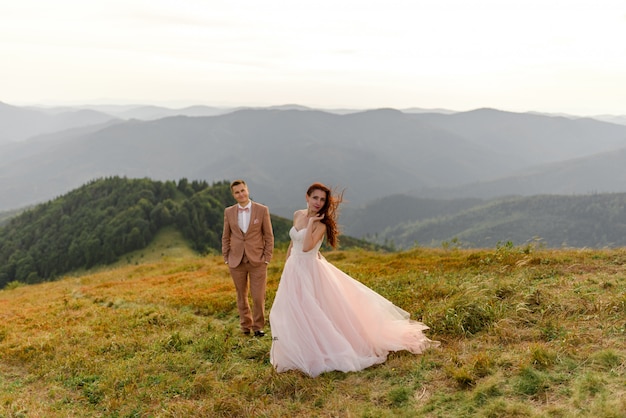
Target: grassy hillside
x: 525, y: 332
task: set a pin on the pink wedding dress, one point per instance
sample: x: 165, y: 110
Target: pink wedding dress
x: 324, y: 320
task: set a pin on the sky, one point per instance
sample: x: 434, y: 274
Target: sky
x: 556, y: 56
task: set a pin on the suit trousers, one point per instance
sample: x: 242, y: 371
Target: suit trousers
x: 256, y: 277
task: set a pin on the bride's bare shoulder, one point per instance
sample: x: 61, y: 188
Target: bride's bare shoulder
x: 300, y: 213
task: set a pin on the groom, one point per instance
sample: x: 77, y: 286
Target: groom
x: 247, y: 246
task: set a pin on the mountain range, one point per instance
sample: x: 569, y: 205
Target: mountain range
x: 370, y: 155
x: 554, y: 221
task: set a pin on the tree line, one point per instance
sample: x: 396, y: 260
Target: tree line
x: 98, y: 223
x: 594, y: 220
x: 105, y: 219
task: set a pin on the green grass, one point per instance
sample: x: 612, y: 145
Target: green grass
x: 524, y: 333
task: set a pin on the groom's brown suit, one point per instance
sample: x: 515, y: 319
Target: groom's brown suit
x: 248, y: 254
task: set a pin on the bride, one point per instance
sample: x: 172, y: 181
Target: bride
x: 324, y: 320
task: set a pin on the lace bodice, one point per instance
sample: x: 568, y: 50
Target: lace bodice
x: 297, y: 239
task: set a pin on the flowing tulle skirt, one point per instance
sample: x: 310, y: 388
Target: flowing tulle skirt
x: 323, y: 320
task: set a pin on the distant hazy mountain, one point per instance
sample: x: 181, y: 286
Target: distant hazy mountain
x: 371, y: 154
x: 599, y: 173
x: 157, y: 112
x: 524, y: 139
x: 621, y: 120
x: 18, y: 123
x: 39, y: 145
x: 421, y: 110
x: 381, y: 214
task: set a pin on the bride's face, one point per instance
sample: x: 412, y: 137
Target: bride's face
x: 316, y: 200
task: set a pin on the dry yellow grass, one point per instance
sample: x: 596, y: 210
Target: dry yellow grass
x: 524, y: 332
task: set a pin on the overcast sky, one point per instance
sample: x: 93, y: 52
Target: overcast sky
x: 534, y: 55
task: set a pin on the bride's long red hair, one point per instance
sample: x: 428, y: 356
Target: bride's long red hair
x: 330, y: 210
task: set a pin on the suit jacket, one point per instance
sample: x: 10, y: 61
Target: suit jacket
x: 257, y: 243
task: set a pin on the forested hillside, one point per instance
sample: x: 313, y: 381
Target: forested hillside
x: 104, y: 219
x: 6, y: 216
x: 101, y: 221
x: 594, y: 221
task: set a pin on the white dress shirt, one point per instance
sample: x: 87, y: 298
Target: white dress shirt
x: 243, y: 216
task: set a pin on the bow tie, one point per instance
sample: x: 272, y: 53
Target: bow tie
x: 243, y: 209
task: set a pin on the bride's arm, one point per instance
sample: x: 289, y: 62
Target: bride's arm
x: 314, y: 233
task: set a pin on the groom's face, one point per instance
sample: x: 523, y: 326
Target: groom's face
x: 240, y: 193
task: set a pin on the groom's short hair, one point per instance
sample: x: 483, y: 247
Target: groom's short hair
x: 237, y: 183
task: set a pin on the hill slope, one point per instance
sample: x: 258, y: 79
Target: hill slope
x: 105, y: 219
x: 524, y: 332
x: 18, y: 123
x: 600, y: 173
x: 594, y: 221
x: 525, y: 139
